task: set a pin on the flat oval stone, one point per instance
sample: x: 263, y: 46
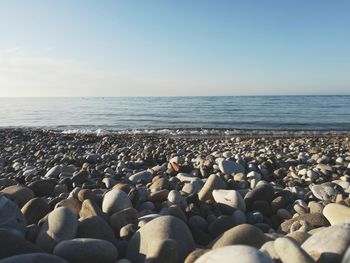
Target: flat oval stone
x: 87, y: 250
x: 229, y: 254
x: 18, y: 194
x: 12, y: 244
x: 324, y: 192
x: 34, y: 258
x: 328, y: 244
x: 186, y: 178
x: 35, y: 209
x: 54, y: 172
x: 148, y: 238
x: 143, y: 176
x: 114, y: 201
x: 230, y: 167
x: 244, y: 234
x: 43, y: 187
x: 60, y: 225
x: 231, y: 198
x: 337, y: 214
x: 290, y: 252
x: 95, y: 227
x: 10, y: 216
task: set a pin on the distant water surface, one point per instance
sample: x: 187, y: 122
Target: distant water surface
x: 164, y: 114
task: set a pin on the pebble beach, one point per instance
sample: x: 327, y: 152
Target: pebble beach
x: 121, y: 198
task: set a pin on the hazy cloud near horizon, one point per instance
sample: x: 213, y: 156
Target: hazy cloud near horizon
x: 47, y: 76
x: 42, y: 76
x: 168, y: 48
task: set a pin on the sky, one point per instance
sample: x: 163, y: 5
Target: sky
x: 174, y: 48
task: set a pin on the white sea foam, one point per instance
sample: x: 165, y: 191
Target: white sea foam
x: 201, y: 132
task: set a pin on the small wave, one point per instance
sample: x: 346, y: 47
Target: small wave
x: 98, y: 132
x: 205, y: 132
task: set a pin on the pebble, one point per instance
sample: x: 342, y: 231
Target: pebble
x: 144, y: 176
x: 61, y: 224
x: 337, y: 214
x: 54, y: 172
x: 34, y: 258
x: 213, y: 182
x: 123, y: 218
x: 329, y: 244
x: 72, y: 203
x: 220, y: 225
x: 90, y: 208
x: 263, y: 191
x: 94, y: 227
x: 42, y: 188
x: 243, y: 234
x: 12, y: 244
x: 114, y: 201
x: 174, y: 197
x: 314, y: 220
x: 18, y: 194
x: 290, y: 252
x: 150, y: 237
x: 34, y: 210
x: 230, y: 167
x: 10, y: 216
x: 227, y: 254
x: 86, y: 250
x: 231, y: 198
x: 324, y: 192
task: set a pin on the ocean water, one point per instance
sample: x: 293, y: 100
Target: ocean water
x: 203, y: 115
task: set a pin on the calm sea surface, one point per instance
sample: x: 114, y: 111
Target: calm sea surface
x: 165, y: 114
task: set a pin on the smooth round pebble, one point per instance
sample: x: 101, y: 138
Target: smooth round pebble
x: 228, y: 254
x: 86, y: 250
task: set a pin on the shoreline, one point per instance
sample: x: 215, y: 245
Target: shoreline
x: 198, y: 195
x: 198, y: 133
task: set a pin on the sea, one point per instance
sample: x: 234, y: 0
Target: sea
x: 180, y: 115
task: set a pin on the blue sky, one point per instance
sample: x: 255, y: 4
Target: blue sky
x: 159, y: 47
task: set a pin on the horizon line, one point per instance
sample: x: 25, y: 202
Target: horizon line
x: 177, y: 96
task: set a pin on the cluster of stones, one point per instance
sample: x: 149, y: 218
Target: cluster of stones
x: 83, y: 198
